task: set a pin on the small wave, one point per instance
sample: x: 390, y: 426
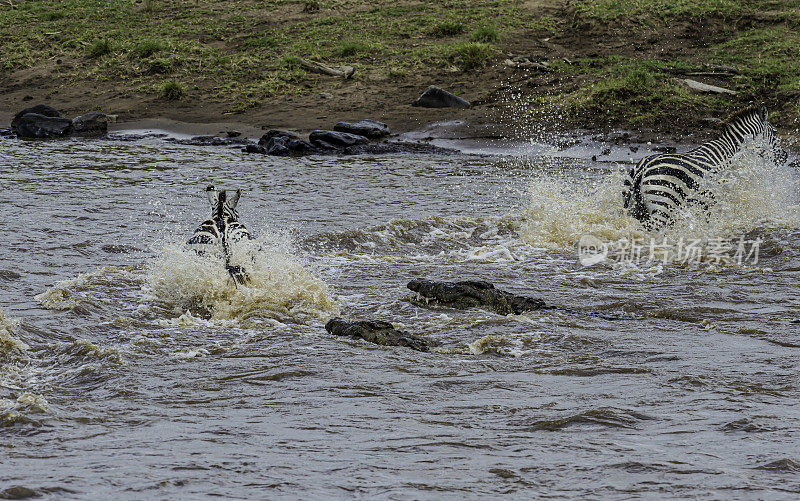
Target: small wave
x: 605, y: 417
x: 500, y: 345
x: 90, y: 292
x: 423, y: 237
x: 18, y: 403
x: 82, y: 350
x: 10, y: 344
x: 747, y: 425
x: 279, y: 286
x: 785, y: 465
x: 21, y: 409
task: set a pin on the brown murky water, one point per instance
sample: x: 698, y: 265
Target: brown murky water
x: 131, y: 368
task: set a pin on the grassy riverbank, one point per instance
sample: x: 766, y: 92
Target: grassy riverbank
x: 611, y: 63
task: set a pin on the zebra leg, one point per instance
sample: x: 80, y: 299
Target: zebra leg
x: 237, y: 273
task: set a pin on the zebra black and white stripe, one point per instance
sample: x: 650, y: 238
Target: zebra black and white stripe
x: 218, y: 234
x: 661, y: 184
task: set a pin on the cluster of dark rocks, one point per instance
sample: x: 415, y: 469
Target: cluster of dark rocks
x: 45, y: 122
x: 360, y: 138
x: 460, y: 295
x: 365, y: 137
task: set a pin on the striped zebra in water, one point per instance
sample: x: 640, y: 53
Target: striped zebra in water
x: 218, y: 234
x: 661, y: 184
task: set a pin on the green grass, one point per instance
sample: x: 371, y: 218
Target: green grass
x: 471, y: 55
x: 646, y: 11
x: 446, y: 29
x: 769, y: 58
x: 98, y: 49
x: 348, y: 49
x: 485, y: 34
x: 172, y: 90
x: 52, y: 15
x: 230, y: 51
x: 148, y: 47
x: 627, y: 91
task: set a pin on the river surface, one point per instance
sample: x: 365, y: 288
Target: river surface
x: 134, y: 369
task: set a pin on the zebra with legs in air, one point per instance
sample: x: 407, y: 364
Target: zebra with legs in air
x: 659, y: 185
x: 219, y: 233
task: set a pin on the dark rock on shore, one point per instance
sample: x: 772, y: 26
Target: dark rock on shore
x: 367, y: 128
x: 36, y: 126
x: 255, y: 148
x: 272, y: 133
x: 325, y: 139
x: 94, y: 123
x: 382, y: 333
x: 471, y: 294
x: 436, y: 97
x: 134, y: 137
x: 39, y: 109
x: 285, y: 145
x: 210, y: 141
x: 386, y: 147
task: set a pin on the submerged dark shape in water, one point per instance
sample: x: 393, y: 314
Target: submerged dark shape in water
x: 378, y: 332
x: 471, y: 294
x: 219, y: 233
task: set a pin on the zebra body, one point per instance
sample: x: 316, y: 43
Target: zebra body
x: 659, y: 185
x: 219, y: 233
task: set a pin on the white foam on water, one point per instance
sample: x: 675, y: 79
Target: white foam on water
x: 751, y: 193
x: 280, y: 286
x: 17, y: 402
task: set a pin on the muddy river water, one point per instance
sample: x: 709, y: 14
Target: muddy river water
x: 132, y: 368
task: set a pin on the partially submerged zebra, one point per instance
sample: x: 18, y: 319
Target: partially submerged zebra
x: 659, y: 185
x: 218, y: 234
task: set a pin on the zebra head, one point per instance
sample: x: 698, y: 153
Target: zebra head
x: 752, y: 122
x: 223, y: 207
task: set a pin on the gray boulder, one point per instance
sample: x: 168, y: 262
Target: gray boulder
x: 396, y: 147
x: 436, y: 97
x: 39, y: 109
x: 94, y: 123
x: 255, y: 148
x: 287, y: 145
x: 472, y: 294
x: 276, y: 133
x: 367, y: 128
x: 325, y: 139
x: 36, y: 126
x: 381, y: 333
x: 210, y: 141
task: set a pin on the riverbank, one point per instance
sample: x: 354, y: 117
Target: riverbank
x: 588, y: 64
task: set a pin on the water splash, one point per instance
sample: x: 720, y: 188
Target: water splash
x: 10, y: 345
x: 17, y: 402
x: 279, y: 286
x: 751, y: 194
